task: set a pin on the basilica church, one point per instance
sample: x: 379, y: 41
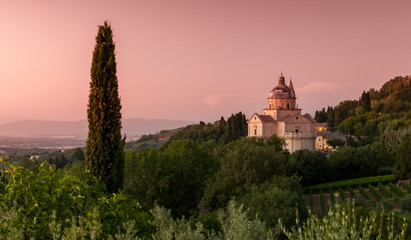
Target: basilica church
x: 283, y: 118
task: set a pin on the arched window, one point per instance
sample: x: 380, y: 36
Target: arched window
x: 296, y: 130
x: 288, y: 106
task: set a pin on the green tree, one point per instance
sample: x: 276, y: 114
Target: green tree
x: 348, y: 222
x: 365, y: 102
x: 312, y: 166
x: 174, y: 178
x: 403, y: 157
x: 244, y: 163
x: 38, y: 201
x: 335, y: 142
x: 78, y: 156
x: 278, y: 198
x: 104, y: 150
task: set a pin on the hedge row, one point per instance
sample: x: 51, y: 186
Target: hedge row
x: 388, y: 192
x: 332, y: 196
x: 352, y: 193
x: 366, y: 195
x: 342, y: 193
x: 398, y: 191
x: 353, y: 182
x: 375, y: 193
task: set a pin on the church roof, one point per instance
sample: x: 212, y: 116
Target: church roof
x: 266, y: 118
x: 308, y: 116
x: 263, y: 118
x: 282, y: 90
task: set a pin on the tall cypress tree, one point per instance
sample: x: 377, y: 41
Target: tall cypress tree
x: 105, y: 145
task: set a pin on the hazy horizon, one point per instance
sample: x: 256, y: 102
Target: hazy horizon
x: 198, y: 60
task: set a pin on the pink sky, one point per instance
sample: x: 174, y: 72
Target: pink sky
x: 198, y: 60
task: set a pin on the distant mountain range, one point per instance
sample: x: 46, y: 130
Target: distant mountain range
x: 131, y: 126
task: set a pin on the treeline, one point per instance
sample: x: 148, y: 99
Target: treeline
x: 379, y: 118
x: 221, y: 131
x: 394, y: 97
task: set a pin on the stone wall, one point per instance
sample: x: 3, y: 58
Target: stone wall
x: 297, y: 141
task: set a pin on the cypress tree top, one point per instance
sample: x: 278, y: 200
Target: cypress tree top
x: 104, y: 150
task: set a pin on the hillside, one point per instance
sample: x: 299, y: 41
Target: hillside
x: 376, y: 113
x: 131, y: 126
x: 151, y: 140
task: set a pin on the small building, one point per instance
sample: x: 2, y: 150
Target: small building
x: 34, y: 157
x: 323, y: 136
x: 320, y: 127
x: 283, y: 118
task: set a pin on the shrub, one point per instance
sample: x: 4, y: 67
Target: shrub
x: 68, y: 203
x: 405, y: 203
x: 344, y: 223
x: 384, y: 171
x: 406, y: 187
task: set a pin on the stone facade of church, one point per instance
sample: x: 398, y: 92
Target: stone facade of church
x: 283, y: 118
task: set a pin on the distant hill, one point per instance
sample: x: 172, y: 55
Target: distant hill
x: 151, y: 140
x: 131, y: 126
x: 8, y: 119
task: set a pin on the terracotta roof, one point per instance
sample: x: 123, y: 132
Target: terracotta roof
x: 266, y: 118
x: 307, y: 115
x: 320, y: 124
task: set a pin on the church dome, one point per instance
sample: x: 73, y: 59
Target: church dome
x: 282, y: 90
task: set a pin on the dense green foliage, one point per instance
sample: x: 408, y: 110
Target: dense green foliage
x: 407, y: 187
x: 393, y: 97
x: 52, y: 197
x: 180, y: 171
x: 104, y: 150
x: 220, y: 132
x: 380, y: 120
x: 353, y: 182
x: 242, y: 164
x: 350, y: 223
x: 280, y: 197
x: 314, y: 167
x: 404, y: 157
